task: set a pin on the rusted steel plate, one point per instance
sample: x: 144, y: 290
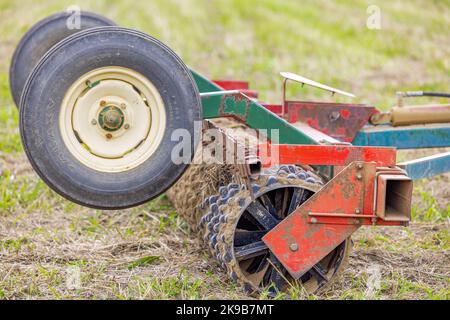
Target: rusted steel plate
x: 340, y: 121
x: 344, y: 194
x: 335, y: 155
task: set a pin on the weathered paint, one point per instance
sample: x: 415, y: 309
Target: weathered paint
x: 326, y: 219
x: 338, y: 155
x: 250, y: 112
x: 427, y: 167
x: 410, y: 137
x: 204, y: 84
x: 246, y: 110
x: 232, y: 84
x: 242, y: 86
x: 338, y: 120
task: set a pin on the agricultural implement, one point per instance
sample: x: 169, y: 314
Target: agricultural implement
x: 111, y: 118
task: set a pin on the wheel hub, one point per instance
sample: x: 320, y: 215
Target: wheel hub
x: 111, y: 118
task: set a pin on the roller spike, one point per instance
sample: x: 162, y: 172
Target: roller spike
x: 255, y: 188
x: 227, y: 257
x: 283, y: 169
x: 241, y: 202
x: 302, y: 175
x: 232, y: 186
x: 232, y: 192
x: 213, y: 199
x: 310, y: 180
x: 215, y: 219
x: 223, y: 191
x: 272, y: 180
x: 214, y: 208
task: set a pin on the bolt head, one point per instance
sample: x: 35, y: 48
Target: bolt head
x: 293, y: 247
x: 360, y: 166
x: 359, y: 177
x: 357, y: 211
x: 314, y: 220
x: 334, y: 115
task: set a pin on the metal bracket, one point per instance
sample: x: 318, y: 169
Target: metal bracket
x: 329, y: 217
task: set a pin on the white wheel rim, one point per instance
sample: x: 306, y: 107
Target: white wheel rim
x: 112, y: 119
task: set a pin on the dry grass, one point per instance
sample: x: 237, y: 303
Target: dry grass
x: 52, y: 249
x: 59, y: 250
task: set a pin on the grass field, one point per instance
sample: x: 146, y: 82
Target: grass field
x: 51, y: 248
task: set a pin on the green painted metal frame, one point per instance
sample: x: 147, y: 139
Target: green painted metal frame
x: 218, y: 103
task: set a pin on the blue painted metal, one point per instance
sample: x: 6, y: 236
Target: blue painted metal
x: 410, y: 137
x: 427, y: 167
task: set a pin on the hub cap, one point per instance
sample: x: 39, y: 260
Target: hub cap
x: 112, y: 119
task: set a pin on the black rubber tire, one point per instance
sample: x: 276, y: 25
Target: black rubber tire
x: 40, y: 108
x: 39, y: 39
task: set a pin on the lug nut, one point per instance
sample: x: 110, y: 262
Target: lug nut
x: 127, y: 126
x: 102, y: 103
x: 123, y: 106
x: 109, y: 136
x: 94, y: 122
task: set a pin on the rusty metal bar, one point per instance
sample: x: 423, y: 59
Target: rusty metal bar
x: 333, y: 155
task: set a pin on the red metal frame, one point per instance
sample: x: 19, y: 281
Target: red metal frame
x: 334, y: 155
x: 364, y: 178
x: 338, y: 120
x: 242, y: 86
x: 328, y: 218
